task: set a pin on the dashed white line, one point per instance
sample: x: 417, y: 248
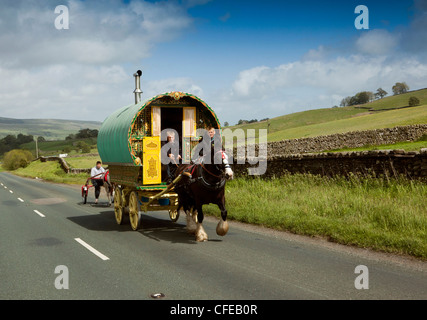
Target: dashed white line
x: 91, y: 249
x: 20, y: 200
x: 10, y: 191
x: 39, y: 213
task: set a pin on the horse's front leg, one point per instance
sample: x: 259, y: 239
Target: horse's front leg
x: 222, y: 227
x: 191, y: 224
x: 201, y: 234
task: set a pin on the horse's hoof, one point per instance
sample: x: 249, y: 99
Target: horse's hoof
x: 201, y: 235
x: 222, y: 228
x: 201, y: 238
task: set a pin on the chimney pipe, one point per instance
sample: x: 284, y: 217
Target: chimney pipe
x: 138, y: 90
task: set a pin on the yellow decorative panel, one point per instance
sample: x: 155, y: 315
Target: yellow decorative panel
x: 152, y: 172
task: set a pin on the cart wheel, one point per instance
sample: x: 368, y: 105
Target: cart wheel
x: 174, y: 215
x: 84, y: 194
x: 134, y: 214
x: 118, y: 209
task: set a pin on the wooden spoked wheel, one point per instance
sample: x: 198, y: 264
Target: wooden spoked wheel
x: 118, y: 208
x: 134, y: 214
x: 174, y: 215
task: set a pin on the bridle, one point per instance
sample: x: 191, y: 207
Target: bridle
x: 223, y: 156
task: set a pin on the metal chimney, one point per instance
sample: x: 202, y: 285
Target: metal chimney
x: 138, y: 90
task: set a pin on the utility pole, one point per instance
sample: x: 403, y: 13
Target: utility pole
x: 37, y: 148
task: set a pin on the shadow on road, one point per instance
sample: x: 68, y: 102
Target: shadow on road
x: 151, y: 227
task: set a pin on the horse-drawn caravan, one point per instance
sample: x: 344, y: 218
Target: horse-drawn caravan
x: 130, y: 143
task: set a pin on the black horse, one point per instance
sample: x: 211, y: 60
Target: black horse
x: 203, y: 182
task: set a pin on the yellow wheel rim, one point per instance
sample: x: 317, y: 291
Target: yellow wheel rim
x: 133, y: 211
x: 118, y: 209
x: 174, y: 215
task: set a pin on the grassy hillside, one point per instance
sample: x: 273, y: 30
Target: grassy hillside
x: 51, y: 129
x: 56, y: 147
x: 337, y: 120
x: 384, y: 119
x: 398, y: 101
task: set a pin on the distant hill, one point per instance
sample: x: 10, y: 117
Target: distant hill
x: 50, y: 129
x: 388, y: 112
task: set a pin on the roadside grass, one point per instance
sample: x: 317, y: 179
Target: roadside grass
x: 374, y: 213
x: 50, y: 171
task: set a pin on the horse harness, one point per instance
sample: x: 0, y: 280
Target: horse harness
x: 201, y: 179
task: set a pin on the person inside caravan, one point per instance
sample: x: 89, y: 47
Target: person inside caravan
x: 174, y: 153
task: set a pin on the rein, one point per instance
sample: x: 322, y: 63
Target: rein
x: 216, y: 176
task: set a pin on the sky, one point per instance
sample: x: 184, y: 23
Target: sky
x: 246, y: 59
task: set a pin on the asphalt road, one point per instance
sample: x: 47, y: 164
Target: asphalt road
x: 40, y: 222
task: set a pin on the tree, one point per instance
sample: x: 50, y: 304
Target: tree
x: 345, y: 102
x: 70, y: 137
x: 226, y: 124
x: 87, y: 133
x: 67, y: 149
x: 381, y: 93
x: 86, y: 148
x: 414, y: 101
x: 41, y: 139
x: 399, y: 88
x: 371, y: 95
x: 17, y: 158
x: 361, y: 98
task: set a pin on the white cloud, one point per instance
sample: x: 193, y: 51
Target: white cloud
x: 81, y: 73
x: 376, y: 42
x: 263, y: 91
x: 101, y: 32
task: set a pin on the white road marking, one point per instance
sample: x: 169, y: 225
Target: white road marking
x: 91, y: 249
x: 10, y: 191
x: 20, y: 200
x: 39, y: 213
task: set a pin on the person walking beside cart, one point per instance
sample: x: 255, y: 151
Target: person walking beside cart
x: 97, y: 174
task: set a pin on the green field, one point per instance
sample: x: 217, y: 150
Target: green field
x: 407, y: 146
x: 56, y: 147
x: 50, y: 129
x: 389, y: 216
x: 384, y: 119
x: 398, y: 101
x: 85, y: 162
x: 338, y: 120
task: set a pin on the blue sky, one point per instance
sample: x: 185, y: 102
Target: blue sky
x: 247, y: 59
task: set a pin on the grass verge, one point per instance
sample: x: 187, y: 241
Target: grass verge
x: 388, y: 216
x: 50, y: 171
